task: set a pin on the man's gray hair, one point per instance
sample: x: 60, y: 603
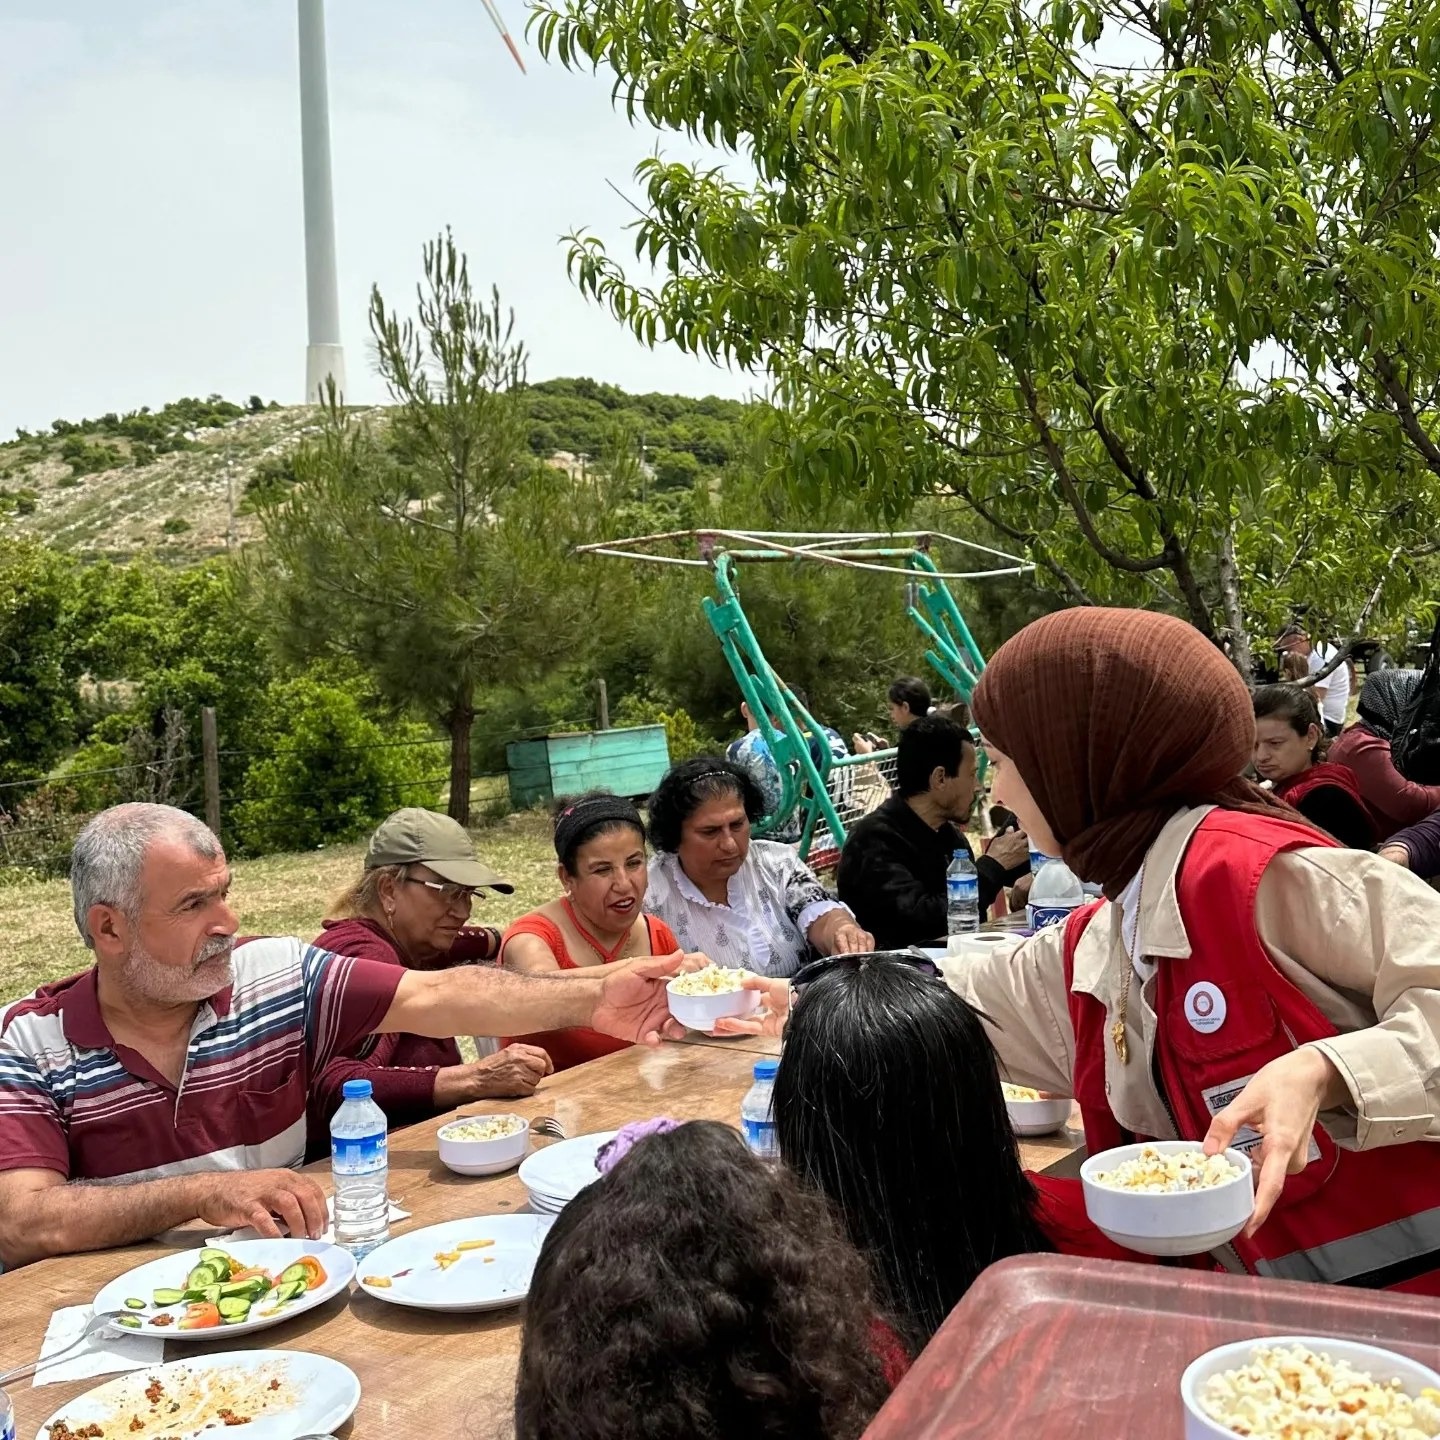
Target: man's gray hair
x: 109, y: 852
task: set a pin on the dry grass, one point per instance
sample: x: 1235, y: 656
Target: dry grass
x: 279, y: 895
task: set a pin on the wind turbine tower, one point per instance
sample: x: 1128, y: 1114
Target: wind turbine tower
x: 324, y: 357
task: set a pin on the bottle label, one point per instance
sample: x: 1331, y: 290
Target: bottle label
x: 360, y: 1155
x: 1041, y: 916
x: 759, y: 1136
x: 7, y: 1427
x: 963, y: 888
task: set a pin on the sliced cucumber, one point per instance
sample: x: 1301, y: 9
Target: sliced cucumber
x: 168, y: 1297
x: 219, y: 1259
x: 234, y: 1309
x: 204, y: 1275
x: 288, y: 1290
x: 130, y: 1322
x: 134, y: 1303
x: 293, y: 1273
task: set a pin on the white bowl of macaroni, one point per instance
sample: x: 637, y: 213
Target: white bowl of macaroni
x: 484, y: 1144
x: 701, y: 997
x: 1305, y: 1387
x: 1034, y: 1114
x: 1167, y: 1197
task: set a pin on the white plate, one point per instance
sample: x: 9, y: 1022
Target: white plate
x: 272, y: 1255
x: 326, y: 1394
x: 559, y: 1172
x: 488, y: 1279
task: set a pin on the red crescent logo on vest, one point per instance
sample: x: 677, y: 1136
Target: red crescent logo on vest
x: 1205, y: 1007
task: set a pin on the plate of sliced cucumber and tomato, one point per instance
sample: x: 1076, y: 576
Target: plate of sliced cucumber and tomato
x: 227, y: 1290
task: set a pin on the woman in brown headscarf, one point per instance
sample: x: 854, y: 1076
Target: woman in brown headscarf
x: 1243, y: 977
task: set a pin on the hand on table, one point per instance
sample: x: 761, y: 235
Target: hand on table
x: 770, y: 1018
x: 514, y: 1071
x: 1010, y: 849
x: 850, y: 939
x: 633, y: 1004
x: 1282, y: 1102
x: 256, y: 1197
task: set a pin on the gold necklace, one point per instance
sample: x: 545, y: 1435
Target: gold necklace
x: 1117, y: 1030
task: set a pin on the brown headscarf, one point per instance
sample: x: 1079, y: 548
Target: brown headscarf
x: 1115, y: 719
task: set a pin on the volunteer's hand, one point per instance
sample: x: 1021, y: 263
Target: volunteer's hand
x: 1282, y: 1102
x: 770, y: 1018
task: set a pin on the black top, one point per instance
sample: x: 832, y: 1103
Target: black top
x: 1336, y: 812
x: 892, y: 875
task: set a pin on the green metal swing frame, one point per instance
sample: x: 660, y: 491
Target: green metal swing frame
x: 784, y: 722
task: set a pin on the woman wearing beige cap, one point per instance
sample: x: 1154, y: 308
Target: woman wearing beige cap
x: 410, y: 907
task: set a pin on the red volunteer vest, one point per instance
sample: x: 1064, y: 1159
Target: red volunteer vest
x: 1367, y: 1218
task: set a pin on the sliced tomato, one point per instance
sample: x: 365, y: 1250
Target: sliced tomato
x: 314, y: 1271
x: 202, y: 1315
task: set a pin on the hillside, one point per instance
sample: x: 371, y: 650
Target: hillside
x: 173, y: 482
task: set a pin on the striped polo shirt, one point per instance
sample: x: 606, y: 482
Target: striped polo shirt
x: 75, y: 1101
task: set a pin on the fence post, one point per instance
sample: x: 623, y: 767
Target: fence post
x: 602, y: 703
x: 210, y: 756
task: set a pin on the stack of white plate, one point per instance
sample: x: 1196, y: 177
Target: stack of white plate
x: 555, y: 1175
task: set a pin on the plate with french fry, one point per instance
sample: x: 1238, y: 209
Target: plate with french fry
x: 479, y: 1264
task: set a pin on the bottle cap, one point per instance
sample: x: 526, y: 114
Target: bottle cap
x: 357, y: 1090
x: 766, y: 1069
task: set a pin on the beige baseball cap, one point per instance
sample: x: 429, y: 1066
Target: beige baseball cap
x: 421, y: 837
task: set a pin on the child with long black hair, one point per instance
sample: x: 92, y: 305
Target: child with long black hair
x: 888, y: 1102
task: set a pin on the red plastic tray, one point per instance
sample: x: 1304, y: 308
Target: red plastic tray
x: 1047, y: 1347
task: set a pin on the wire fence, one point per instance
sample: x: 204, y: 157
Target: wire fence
x: 40, y: 815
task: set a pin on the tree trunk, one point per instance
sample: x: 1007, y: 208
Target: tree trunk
x: 1234, y: 611
x: 459, y: 722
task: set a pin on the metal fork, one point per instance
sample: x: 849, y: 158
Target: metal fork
x: 96, y: 1324
x: 548, y: 1126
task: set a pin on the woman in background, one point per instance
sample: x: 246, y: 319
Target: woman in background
x: 410, y: 907
x: 1290, y: 749
x: 600, y: 919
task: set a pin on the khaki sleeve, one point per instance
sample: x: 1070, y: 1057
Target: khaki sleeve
x: 1369, y: 933
x: 1022, y: 999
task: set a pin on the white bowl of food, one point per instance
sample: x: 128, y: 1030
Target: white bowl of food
x: 484, y: 1144
x: 1034, y: 1114
x: 701, y: 997
x: 1167, y: 1197
x: 1285, y: 1385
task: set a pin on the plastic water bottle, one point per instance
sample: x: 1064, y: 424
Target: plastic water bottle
x: 7, y: 1418
x: 757, y: 1118
x: 962, y: 895
x: 360, y: 1171
x: 1055, y: 893
x: 1038, y: 860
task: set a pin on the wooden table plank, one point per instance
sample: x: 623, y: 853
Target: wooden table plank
x: 1048, y: 1347
x: 415, y: 1366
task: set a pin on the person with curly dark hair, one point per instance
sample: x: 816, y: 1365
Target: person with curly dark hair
x: 696, y: 1293
x: 750, y: 904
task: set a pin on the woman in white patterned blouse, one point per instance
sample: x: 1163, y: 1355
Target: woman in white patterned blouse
x: 750, y: 904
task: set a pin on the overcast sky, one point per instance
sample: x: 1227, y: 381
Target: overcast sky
x: 150, y: 214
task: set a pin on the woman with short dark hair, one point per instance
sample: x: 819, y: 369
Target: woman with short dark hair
x: 599, y: 919
x: 888, y: 1102
x: 696, y: 1293
x: 909, y: 699
x: 1290, y: 750
x: 749, y: 904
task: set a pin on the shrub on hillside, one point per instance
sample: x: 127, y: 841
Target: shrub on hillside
x: 326, y: 772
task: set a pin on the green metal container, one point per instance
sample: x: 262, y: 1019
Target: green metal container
x: 627, y: 762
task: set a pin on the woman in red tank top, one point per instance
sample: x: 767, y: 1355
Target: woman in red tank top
x: 1290, y: 750
x: 600, y: 919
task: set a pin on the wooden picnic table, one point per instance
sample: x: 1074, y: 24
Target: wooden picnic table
x: 1048, y: 1347
x: 424, y: 1373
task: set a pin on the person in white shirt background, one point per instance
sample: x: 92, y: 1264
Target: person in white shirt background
x: 1332, y: 694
